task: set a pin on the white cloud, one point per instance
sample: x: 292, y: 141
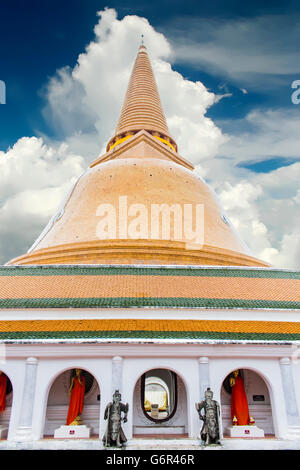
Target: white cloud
x: 248, y: 50
x: 262, y: 135
x: 265, y: 210
x: 289, y: 254
x: 264, y: 207
x: 33, y: 179
x: 240, y: 202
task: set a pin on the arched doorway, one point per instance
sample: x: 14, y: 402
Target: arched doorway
x: 160, y: 404
x: 58, y: 402
x: 6, y: 394
x: 258, y: 399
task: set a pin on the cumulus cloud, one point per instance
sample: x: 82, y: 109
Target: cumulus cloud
x: 240, y: 202
x: 33, y: 179
x: 264, y: 207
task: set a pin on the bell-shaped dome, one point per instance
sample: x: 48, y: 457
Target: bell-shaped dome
x: 136, y: 190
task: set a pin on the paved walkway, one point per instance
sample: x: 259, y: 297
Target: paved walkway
x: 154, y: 444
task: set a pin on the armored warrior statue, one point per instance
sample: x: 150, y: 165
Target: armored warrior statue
x: 210, y: 432
x: 114, y: 435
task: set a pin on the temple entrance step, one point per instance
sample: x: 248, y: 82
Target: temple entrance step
x: 168, y: 430
x: 294, y: 432
x: 162, y: 442
x: 160, y: 436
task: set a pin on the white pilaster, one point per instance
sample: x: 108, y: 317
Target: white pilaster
x: 117, y: 372
x: 289, y: 391
x: 203, y: 376
x: 24, y: 429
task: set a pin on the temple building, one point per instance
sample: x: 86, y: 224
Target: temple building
x: 140, y: 283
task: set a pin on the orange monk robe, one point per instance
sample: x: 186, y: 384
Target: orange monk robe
x: 239, y: 403
x: 76, y: 400
x: 3, y: 382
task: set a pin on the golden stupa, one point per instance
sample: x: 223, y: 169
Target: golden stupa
x: 140, y: 167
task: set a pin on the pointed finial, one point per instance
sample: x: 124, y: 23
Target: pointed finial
x: 142, y: 43
x: 142, y: 108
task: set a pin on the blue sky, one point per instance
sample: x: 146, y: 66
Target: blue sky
x: 232, y: 114
x: 37, y: 38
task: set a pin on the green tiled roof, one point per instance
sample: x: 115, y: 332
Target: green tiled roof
x: 90, y: 270
x: 139, y: 302
x: 151, y: 335
x: 80, y: 286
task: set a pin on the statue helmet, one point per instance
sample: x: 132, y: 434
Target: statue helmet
x: 208, y: 393
x: 117, y: 394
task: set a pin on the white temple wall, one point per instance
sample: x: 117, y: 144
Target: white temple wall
x: 49, y: 370
x: 295, y: 364
x: 129, y: 362
x: 15, y: 370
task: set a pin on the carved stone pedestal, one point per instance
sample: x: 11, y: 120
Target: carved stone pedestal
x: 73, y: 432
x: 3, y: 432
x: 245, y: 431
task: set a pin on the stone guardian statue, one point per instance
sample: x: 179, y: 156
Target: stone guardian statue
x: 210, y: 432
x: 114, y: 435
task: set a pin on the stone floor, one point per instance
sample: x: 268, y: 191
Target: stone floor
x: 143, y: 443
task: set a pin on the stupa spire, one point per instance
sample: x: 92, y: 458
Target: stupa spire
x: 142, y: 109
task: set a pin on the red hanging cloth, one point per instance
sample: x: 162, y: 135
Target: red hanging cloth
x: 3, y: 383
x: 239, y: 403
x: 76, y: 400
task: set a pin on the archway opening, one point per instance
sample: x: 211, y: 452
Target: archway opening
x: 6, y: 397
x: 257, y: 399
x: 160, y: 404
x: 59, y: 398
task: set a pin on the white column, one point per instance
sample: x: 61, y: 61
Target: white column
x: 24, y: 429
x: 117, y: 384
x: 289, y: 391
x: 203, y: 376
x: 117, y: 372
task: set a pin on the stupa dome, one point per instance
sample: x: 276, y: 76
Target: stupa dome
x: 155, y: 208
